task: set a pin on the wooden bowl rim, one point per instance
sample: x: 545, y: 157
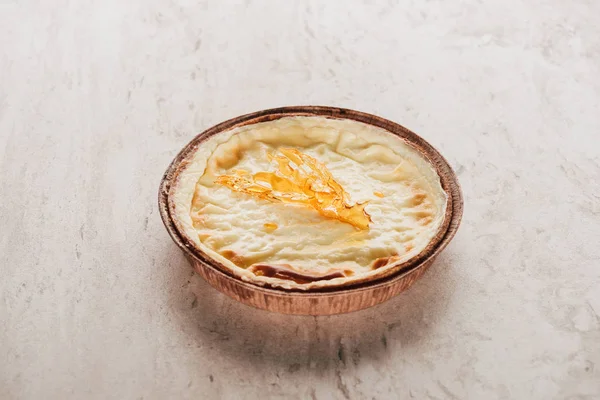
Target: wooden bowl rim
x: 447, y: 176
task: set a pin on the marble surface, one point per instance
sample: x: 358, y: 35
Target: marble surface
x: 96, y: 97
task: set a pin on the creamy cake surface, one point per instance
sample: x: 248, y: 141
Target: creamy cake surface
x: 293, y: 245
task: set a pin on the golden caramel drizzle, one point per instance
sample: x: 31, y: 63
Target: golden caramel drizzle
x: 379, y: 194
x: 270, y: 226
x: 300, y: 179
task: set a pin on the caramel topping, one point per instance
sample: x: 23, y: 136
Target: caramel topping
x: 270, y: 226
x: 241, y: 172
x: 379, y: 194
x: 300, y: 179
x: 286, y: 271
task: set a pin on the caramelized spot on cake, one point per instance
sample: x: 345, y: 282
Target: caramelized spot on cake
x: 203, y: 236
x: 422, y: 214
x: 383, y: 261
x: 270, y: 226
x: 230, y: 158
x: 300, y: 179
x: 287, y: 272
x: 419, y: 198
x: 380, y: 262
x: 197, y: 220
x: 424, y: 210
x: 379, y: 194
x: 233, y: 257
x: 409, y: 247
x: 195, y: 215
x: 425, y: 220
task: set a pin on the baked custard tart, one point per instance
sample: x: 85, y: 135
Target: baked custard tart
x: 309, y: 202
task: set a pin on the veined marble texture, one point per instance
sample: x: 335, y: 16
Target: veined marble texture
x: 97, y: 97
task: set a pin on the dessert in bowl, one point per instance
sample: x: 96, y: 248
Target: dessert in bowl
x: 308, y: 202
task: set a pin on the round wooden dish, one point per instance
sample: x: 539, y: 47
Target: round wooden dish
x: 323, y: 301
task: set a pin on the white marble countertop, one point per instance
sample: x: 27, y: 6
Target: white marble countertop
x: 96, y: 98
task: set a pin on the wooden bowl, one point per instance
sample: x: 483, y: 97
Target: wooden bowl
x: 322, y: 301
